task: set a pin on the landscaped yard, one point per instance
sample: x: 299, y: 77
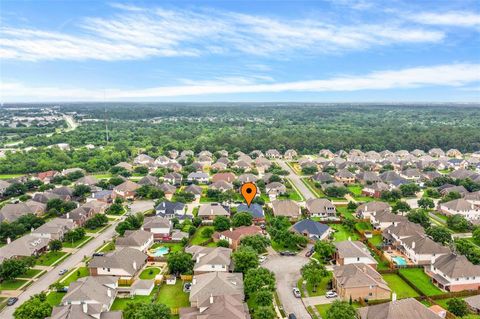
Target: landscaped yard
x: 106, y: 247
x: 76, y: 274
x: 75, y: 244
x: 121, y: 303
x: 149, y: 273
x: 278, y: 247
x: 343, y: 233
x: 292, y: 192
x: 311, y: 186
x: 49, y: 258
x: 363, y: 226
x: 376, y: 240
x: 399, y: 286
x: 173, y: 295
x: 173, y: 247
x: 421, y: 281
x: 322, y: 309
x: 443, y: 303
x: 321, y: 288
x: 54, y: 298
x: 355, y: 189
x: 345, y: 212
x: 31, y: 273
x: 197, y: 238
x: 12, y: 284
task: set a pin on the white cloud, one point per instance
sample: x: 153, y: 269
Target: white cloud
x: 455, y: 18
x: 137, y: 33
x: 454, y: 75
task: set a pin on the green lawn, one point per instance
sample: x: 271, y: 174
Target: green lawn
x: 443, y: 303
x: 31, y: 273
x: 322, y: 309
x: 9, y: 176
x: 75, y: 244
x: 343, y: 233
x: 173, y: 296
x: 311, y: 186
x: 399, y: 286
x: 106, y: 247
x: 12, y: 284
x: 321, y: 288
x: 197, y: 238
x: 363, y: 226
x: 54, y: 298
x: 121, y: 303
x: 103, y: 176
x: 292, y: 192
x: 345, y: 212
x: 76, y: 274
x: 97, y: 229
x: 355, y: 189
x: 49, y: 258
x: 149, y: 273
x: 421, y: 281
x: 376, y: 240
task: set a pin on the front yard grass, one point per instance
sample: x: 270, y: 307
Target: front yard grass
x: 342, y: 233
x: 105, y: 248
x: 173, y: 296
x: 311, y: 186
x: 321, y: 288
x: 12, y: 284
x: 54, y: 298
x: 49, y: 258
x: 322, y: 309
x: 399, y: 286
x: 197, y: 238
x: 31, y: 273
x: 355, y: 189
x: 75, y: 244
x: 421, y: 281
x: 149, y: 273
x: 74, y: 275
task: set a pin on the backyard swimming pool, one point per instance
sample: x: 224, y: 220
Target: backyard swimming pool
x: 400, y: 261
x: 159, y: 252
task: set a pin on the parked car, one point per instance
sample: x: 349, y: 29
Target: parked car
x: 296, y: 293
x: 287, y: 253
x: 309, y: 253
x: 11, y: 301
x: 187, y: 287
x: 331, y: 294
x: 262, y: 259
x: 63, y: 272
x: 98, y: 254
x: 292, y: 316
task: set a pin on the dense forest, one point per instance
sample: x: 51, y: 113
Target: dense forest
x: 307, y: 128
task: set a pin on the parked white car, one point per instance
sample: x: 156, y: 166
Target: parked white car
x: 296, y: 293
x: 262, y: 259
x: 331, y: 294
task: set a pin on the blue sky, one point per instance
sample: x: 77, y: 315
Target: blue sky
x: 317, y: 51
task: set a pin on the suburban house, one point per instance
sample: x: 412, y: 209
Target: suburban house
x: 173, y: 178
x: 453, y: 272
x: 79, y: 215
x: 198, y: 177
x: 273, y: 154
x: 290, y: 154
x: 473, y: 303
x: 255, y: 210
x: 287, y: 208
x: 89, y: 297
x: 67, y: 171
x: 353, y: 252
x: 375, y: 190
x: 394, y: 234
x: 138, y: 239
x: 47, y: 177
x: 221, y: 186
x: 143, y: 159
x: 275, y: 189
x: 160, y: 227
x: 126, y: 190
x: 366, y: 210
x: 344, y: 176
x: 234, y: 236
x: 420, y: 249
x: 171, y: 210
x: 124, y: 263
x: 25, y: 246
x: 3, y: 186
x: 88, y: 180
x: 194, y: 189
x: 208, y: 212
x: 65, y: 192
x: 403, y: 308
x: 321, y: 207
x: 311, y: 229
x: 226, y: 177
x: 384, y: 219
x: 105, y: 196
x: 54, y: 229
x: 460, y: 206
x: 208, y: 259
x: 12, y: 212
x: 148, y: 180
x: 359, y: 281
x: 167, y: 189
x: 246, y: 178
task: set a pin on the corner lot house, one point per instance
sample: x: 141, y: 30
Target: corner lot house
x: 359, y: 281
x: 123, y: 263
x: 208, y: 259
x: 353, y: 252
x: 24, y: 246
x: 321, y: 207
x: 312, y: 229
x: 395, y: 309
x: 171, y: 210
x: 137, y: 239
x: 126, y: 190
x: 234, y: 236
x: 454, y: 272
x: 462, y: 207
x: 54, y: 229
x: 287, y: 208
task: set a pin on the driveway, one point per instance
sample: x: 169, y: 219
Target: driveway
x: 296, y: 180
x: 287, y: 274
x: 141, y: 206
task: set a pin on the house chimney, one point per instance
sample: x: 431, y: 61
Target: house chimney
x: 67, y: 216
x: 9, y: 240
x: 211, y: 298
x: 109, y: 292
x: 394, y: 297
x: 413, y: 245
x: 135, y: 265
x: 231, y: 229
x: 32, y: 229
x: 194, y: 281
x: 85, y: 308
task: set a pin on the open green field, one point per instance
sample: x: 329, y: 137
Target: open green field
x: 12, y: 284
x: 49, y: 258
x: 342, y: 233
x: 421, y: 281
x: 9, y: 176
x: 197, y: 238
x: 74, y: 275
x: 399, y: 286
x: 149, y: 273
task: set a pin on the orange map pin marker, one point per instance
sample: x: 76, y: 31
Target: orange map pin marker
x: 249, y: 190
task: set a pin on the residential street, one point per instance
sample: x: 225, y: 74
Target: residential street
x: 296, y: 180
x: 50, y: 277
x: 287, y: 273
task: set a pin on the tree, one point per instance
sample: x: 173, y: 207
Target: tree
x: 257, y: 242
x: 352, y: 206
x: 340, y: 310
x: 180, y: 263
x: 334, y: 191
x: 313, y: 273
x: 468, y: 249
x: 36, y: 307
x: 55, y: 245
x: 450, y: 196
x: 242, y: 219
x: 223, y: 243
x: 419, y: 217
x: 439, y: 234
x: 143, y: 310
x: 258, y: 278
x: 207, y: 232
x: 458, y: 307
x: 264, y: 312
x: 325, y: 250
x: 264, y: 297
x: 81, y: 190
x: 115, y: 209
x: 391, y: 196
x: 98, y: 220
x: 426, y: 203
x: 141, y: 170
x: 74, y: 235
x: 309, y: 170
x: 401, y: 207
x: 221, y: 223
x: 13, y: 267
x: 476, y: 234
x: 245, y: 258
x: 132, y: 222
x: 409, y: 190
x: 458, y: 223
x: 15, y: 189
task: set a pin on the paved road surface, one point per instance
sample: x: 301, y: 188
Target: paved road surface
x: 287, y: 274
x: 50, y: 277
x: 296, y: 180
